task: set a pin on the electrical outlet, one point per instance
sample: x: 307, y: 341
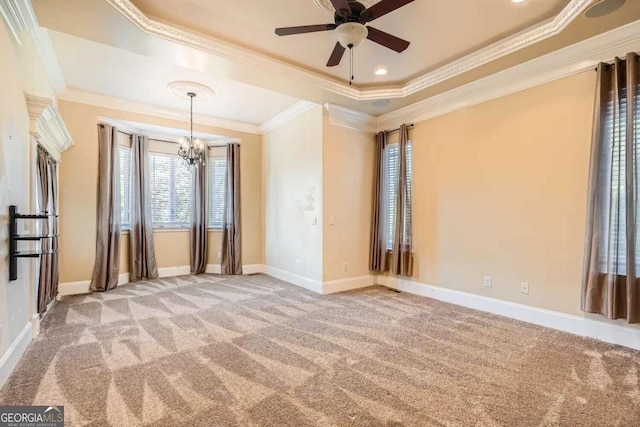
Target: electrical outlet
x: 219, y: 255
x: 332, y: 220
x: 345, y: 267
x: 488, y: 282
x: 524, y: 288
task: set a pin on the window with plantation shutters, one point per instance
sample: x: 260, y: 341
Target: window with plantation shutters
x: 614, y: 236
x: 125, y: 187
x: 170, y: 182
x: 391, y: 188
x: 217, y: 172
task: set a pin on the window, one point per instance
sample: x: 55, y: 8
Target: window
x: 170, y: 183
x: 125, y: 187
x: 217, y: 171
x: 614, y: 235
x: 390, y: 188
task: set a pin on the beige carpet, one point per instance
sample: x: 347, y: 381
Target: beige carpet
x: 255, y: 351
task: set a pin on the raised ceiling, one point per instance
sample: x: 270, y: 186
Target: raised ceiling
x: 138, y: 78
x: 119, y: 24
x: 440, y: 31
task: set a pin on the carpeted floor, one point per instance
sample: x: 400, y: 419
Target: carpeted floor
x: 255, y: 351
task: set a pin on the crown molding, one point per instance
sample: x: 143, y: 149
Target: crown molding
x: 82, y: 97
x: 46, y: 125
x: 241, y: 55
x: 19, y: 16
x: 565, y: 62
x: 286, y: 116
x: 345, y: 117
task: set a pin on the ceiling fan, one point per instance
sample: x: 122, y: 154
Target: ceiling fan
x: 350, y: 19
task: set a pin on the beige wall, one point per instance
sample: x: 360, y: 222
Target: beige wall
x: 78, y: 183
x: 500, y: 190
x: 21, y: 72
x: 293, y: 195
x: 348, y: 158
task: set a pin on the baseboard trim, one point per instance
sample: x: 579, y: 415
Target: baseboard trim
x: 82, y: 287
x: 294, y: 279
x: 348, y: 284
x: 607, y: 331
x: 13, y: 354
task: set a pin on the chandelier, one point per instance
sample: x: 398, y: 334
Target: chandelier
x: 192, y: 150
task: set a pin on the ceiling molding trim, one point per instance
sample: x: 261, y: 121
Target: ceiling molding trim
x: 19, y: 16
x: 47, y: 125
x: 286, y: 116
x: 82, y: 97
x: 562, y: 63
x: 345, y: 117
x: 228, y: 51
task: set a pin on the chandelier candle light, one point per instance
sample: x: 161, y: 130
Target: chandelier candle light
x: 191, y: 149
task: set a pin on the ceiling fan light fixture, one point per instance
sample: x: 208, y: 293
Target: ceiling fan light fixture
x: 351, y: 34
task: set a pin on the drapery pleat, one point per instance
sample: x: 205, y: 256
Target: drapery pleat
x: 107, y: 265
x: 142, y: 256
x: 610, y: 283
x: 231, y: 231
x: 198, y: 231
x: 401, y: 252
x: 47, y: 200
x: 377, y: 247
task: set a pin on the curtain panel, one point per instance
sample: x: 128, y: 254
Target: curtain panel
x: 231, y: 231
x: 610, y: 284
x: 401, y: 254
x: 48, y: 201
x: 142, y: 256
x: 377, y: 247
x: 107, y: 264
x: 198, y: 232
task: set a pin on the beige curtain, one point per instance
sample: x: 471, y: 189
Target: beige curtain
x: 107, y: 265
x: 198, y: 231
x: 47, y: 200
x: 610, y: 283
x: 377, y: 248
x: 231, y: 231
x: 142, y: 256
x: 401, y: 253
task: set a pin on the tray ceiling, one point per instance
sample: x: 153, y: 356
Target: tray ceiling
x: 440, y: 31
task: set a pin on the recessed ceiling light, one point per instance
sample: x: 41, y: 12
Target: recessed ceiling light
x: 380, y: 71
x: 518, y: 1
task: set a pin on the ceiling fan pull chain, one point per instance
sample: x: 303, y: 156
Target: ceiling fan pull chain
x: 351, y: 51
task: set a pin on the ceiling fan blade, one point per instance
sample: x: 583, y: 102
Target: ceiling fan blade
x: 387, y: 40
x: 382, y: 8
x: 341, y: 5
x: 287, y: 31
x: 336, y: 55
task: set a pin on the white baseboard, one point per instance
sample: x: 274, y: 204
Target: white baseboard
x: 607, y: 331
x: 348, y: 284
x: 13, y: 354
x: 82, y: 287
x: 294, y: 279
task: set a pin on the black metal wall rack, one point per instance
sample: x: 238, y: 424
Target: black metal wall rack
x: 15, y: 237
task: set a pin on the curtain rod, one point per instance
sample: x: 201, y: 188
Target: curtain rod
x: 159, y: 140
x: 409, y: 126
x: 610, y: 64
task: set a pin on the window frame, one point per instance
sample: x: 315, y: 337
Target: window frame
x: 168, y: 226
x: 210, y: 170
x: 389, y: 226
